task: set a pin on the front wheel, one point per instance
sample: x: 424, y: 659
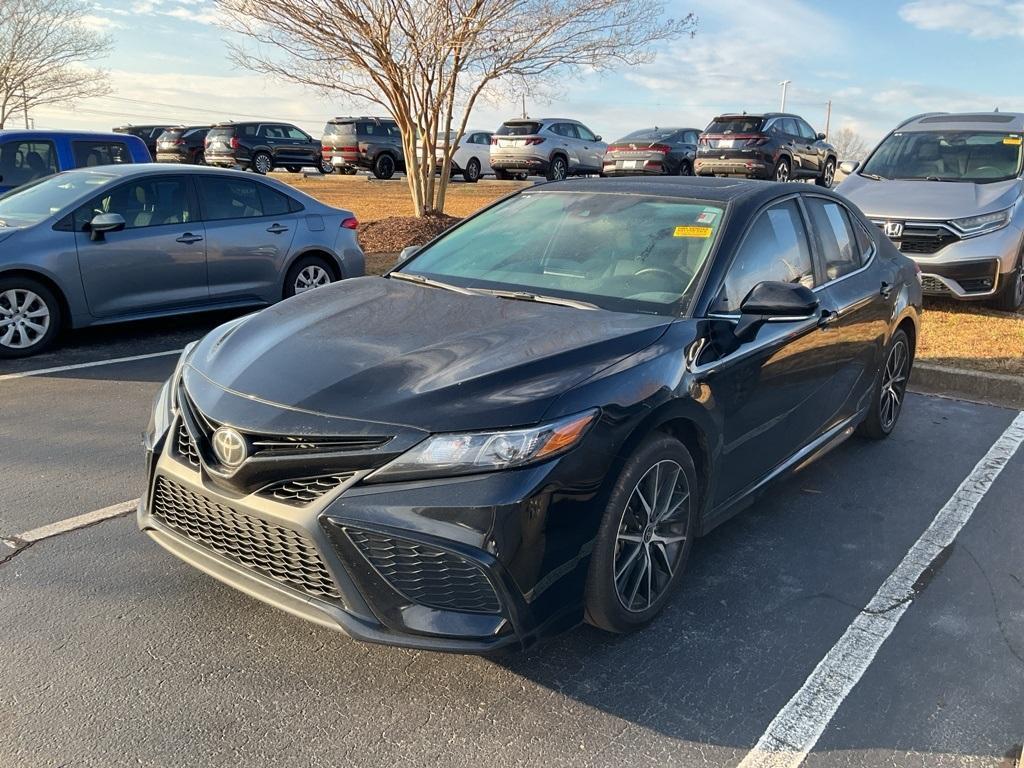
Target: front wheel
x: 645, y: 536
x: 472, y: 171
x: 828, y: 174
x: 307, y: 274
x: 29, y: 317
x: 1011, y: 296
x: 890, y: 389
x: 782, y: 170
x: 262, y: 164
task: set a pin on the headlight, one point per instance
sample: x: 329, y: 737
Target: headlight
x: 165, y: 404
x: 470, y: 452
x: 986, y: 222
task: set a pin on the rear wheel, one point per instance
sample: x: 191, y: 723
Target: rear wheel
x: 29, y: 317
x: 645, y: 536
x: 685, y: 169
x: 306, y: 274
x: 558, y: 169
x: 472, y: 171
x: 1011, y: 296
x: 324, y: 166
x: 890, y: 389
x: 782, y: 170
x: 262, y: 164
x: 384, y: 166
x: 828, y: 174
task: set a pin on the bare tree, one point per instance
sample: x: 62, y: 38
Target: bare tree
x: 43, y: 46
x: 849, y: 144
x: 423, y: 60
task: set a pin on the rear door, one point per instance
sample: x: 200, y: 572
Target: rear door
x: 90, y: 153
x: 249, y: 228
x: 158, y: 262
x: 275, y: 138
x: 25, y: 160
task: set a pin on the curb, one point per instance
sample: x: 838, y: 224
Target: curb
x: 995, y: 388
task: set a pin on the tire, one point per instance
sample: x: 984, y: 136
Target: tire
x: 198, y: 158
x: 262, y: 163
x: 294, y: 168
x: 306, y: 274
x: 324, y: 166
x: 558, y: 169
x: 501, y: 175
x: 471, y: 173
x: 828, y: 174
x: 783, y: 171
x: 26, y: 305
x: 384, y: 166
x: 890, y: 389
x: 627, y: 603
x: 685, y: 168
x: 1011, y: 296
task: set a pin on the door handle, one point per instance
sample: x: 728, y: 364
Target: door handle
x: 828, y: 318
x: 277, y: 229
x: 886, y: 290
x: 188, y: 238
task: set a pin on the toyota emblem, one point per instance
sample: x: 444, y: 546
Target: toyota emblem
x: 229, y: 446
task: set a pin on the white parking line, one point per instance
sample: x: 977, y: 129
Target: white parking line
x: 70, y: 524
x: 797, y: 728
x: 76, y: 366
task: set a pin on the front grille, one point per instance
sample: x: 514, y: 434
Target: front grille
x: 427, y: 575
x: 930, y: 284
x: 186, y: 446
x: 923, y: 239
x: 304, y: 490
x: 281, y: 554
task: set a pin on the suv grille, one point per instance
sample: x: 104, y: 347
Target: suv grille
x: 305, y: 490
x: 427, y: 575
x: 930, y: 284
x: 281, y: 554
x: 923, y: 239
x: 186, y: 446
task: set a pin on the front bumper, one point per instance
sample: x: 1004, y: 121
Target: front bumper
x: 460, y: 564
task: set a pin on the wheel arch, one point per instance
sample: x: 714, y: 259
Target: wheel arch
x: 318, y: 251
x: 51, y: 284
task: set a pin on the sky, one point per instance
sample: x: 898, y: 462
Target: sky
x: 878, y: 61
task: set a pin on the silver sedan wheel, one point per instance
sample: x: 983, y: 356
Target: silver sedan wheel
x: 311, y: 277
x: 894, y: 384
x: 652, y: 535
x: 24, y: 318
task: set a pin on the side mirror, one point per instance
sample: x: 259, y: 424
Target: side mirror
x: 105, y: 222
x: 775, y: 302
x: 821, y: 137
x: 407, y: 253
x: 598, y: 137
x: 849, y: 166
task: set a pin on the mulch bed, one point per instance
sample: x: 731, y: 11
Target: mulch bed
x: 392, y: 234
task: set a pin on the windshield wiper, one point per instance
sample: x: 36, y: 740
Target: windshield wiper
x: 432, y: 283
x: 538, y: 297
x: 873, y: 176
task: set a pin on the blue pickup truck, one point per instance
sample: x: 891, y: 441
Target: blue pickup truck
x: 27, y: 155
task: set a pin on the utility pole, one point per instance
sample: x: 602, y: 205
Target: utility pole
x: 524, y: 106
x: 785, y: 86
x: 24, y: 102
x: 828, y: 117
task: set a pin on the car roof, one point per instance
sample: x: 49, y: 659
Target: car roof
x: 127, y: 170
x: 765, y: 115
x: 1012, y: 122
x: 34, y: 133
x: 720, y: 190
x: 368, y: 118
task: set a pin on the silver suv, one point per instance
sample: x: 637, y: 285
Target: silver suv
x: 947, y: 188
x: 554, y: 147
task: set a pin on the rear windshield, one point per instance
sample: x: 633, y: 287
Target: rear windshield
x: 172, y: 133
x: 340, y: 129
x: 519, y: 129
x: 968, y: 156
x: 227, y: 131
x: 651, y: 134
x: 735, y: 125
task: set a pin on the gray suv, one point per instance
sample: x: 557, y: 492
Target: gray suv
x: 554, y: 147
x: 124, y: 242
x: 373, y: 143
x: 947, y: 189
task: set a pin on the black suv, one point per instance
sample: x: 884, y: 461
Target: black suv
x: 262, y: 147
x: 148, y: 133
x: 373, y: 143
x: 184, y: 144
x: 774, y: 145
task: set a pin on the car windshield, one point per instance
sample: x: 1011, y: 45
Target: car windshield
x: 622, y: 252
x: 735, y: 125
x: 966, y: 156
x: 650, y: 134
x: 35, y: 202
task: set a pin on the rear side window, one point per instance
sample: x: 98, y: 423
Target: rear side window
x: 272, y: 131
x: 25, y: 161
x: 519, y: 129
x: 228, y: 198
x: 92, y: 153
x: 735, y: 125
x: 775, y: 248
x: 835, y: 236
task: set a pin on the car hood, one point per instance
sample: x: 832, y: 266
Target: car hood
x: 913, y: 199
x: 389, y: 351
x: 6, y: 232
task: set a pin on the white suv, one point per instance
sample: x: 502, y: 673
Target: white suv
x: 553, y: 146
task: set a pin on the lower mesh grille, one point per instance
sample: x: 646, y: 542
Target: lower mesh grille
x: 305, y: 490
x: 427, y: 575
x: 281, y: 554
x: 931, y: 284
x: 186, y: 446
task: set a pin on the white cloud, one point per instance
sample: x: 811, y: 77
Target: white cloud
x: 100, y: 23
x: 975, y: 18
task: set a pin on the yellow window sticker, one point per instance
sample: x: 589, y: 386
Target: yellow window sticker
x: 701, y: 232
x: 1012, y: 140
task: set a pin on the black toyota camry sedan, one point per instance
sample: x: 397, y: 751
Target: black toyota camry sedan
x: 528, y: 422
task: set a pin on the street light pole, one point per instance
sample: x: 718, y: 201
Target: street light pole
x: 785, y: 86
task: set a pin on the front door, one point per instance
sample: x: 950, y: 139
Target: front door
x: 158, y: 262
x: 249, y: 230
x: 774, y: 391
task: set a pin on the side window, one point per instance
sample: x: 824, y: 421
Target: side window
x: 247, y: 130
x: 226, y: 198
x: 393, y: 131
x: 691, y: 137
x: 25, y: 161
x: 775, y: 248
x: 835, y: 235
x: 806, y: 131
x: 585, y: 133
x: 296, y: 135
x: 272, y: 202
x: 92, y: 153
x: 788, y: 126
x: 143, y: 203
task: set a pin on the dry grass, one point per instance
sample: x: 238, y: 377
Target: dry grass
x: 952, y: 334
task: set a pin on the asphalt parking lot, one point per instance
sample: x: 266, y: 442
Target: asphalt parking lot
x: 114, y: 653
